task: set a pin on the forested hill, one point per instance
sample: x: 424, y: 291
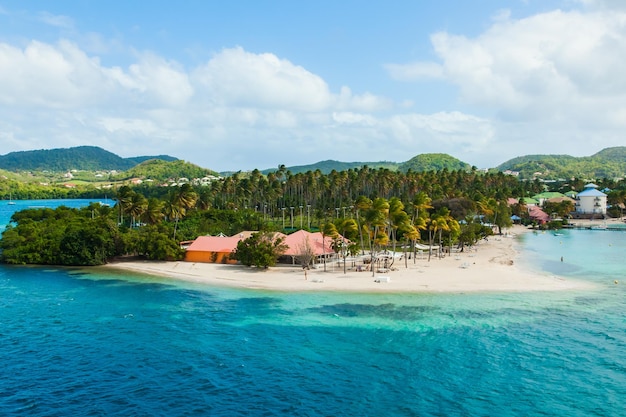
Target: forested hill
x: 608, y: 163
x: 420, y: 163
x: 329, y: 165
x: 89, y: 158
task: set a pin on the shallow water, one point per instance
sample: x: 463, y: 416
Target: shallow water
x: 113, y: 343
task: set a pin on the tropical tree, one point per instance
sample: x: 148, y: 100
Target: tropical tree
x: 261, y: 249
x: 421, y: 201
x: 362, y: 204
x: 376, y: 220
x: 137, y: 207
x: 348, y: 229
x: 328, y: 230
x: 438, y: 222
x: 124, y: 200
x: 154, y: 211
x: 398, y: 220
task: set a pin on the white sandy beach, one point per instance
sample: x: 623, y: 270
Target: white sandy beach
x: 490, y: 267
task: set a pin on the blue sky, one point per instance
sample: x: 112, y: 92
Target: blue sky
x: 253, y: 84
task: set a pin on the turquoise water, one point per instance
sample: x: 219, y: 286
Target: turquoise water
x: 100, y: 343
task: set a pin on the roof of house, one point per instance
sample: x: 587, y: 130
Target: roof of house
x: 591, y: 192
x: 537, y: 213
x: 215, y: 244
x: 559, y: 199
x: 297, y: 241
x: 547, y: 195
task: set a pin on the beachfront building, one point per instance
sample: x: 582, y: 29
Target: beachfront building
x: 536, y: 214
x: 591, y: 201
x: 214, y: 249
x: 311, y: 245
x: 218, y: 249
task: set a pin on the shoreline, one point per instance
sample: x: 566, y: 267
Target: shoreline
x: 489, y: 267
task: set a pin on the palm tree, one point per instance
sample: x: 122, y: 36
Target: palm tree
x: 348, y: 227
x: 124, y: 198
x: 138, y: 205
x: 174, y: 210
x: 397, y: 219
x: 376, y: 219
x: 362, y: 204
x: 454, y: 229
x: 420, y: 223
x: 421, y: 201
x: 436, y: 225
x: 329, y: 230
x: 411, y: 234
x: 154, y: 211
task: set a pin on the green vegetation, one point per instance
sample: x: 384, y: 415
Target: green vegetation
x: 261, y: 249
x: 91, y: 158
x: 608, y: 163
x: 78, y: 237
x: 326, y: 167
x: 433, y: 162
x: 376, y: 209
x: 159, y: 170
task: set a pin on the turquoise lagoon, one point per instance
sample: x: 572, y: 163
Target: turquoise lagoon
x: 88, y: 342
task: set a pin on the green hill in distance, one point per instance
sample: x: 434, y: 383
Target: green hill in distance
x: 330, y: 165
x: 422, y: 162
x: 608, y: 163
x: 87, y: 158
x: 160, y: 170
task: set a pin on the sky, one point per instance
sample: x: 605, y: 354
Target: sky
x: 237, y: 85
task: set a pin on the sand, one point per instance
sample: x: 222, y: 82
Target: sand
x: 490, y: 267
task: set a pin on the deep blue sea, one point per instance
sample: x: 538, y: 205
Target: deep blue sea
x: 81, y: 342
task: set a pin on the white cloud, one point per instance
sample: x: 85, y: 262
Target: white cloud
x: 242, y: 110
x: 235, y: 77
x: 541, y: 65
x: 59, y: 21
x: 553, y: 81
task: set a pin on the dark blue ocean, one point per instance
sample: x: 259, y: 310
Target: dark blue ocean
x: 81, y: 342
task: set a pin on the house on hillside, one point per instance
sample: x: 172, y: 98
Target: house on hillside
x: 591, y: 201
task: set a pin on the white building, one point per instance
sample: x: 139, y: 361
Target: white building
x: 591, y: 201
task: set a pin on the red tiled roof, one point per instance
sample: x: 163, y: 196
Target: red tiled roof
x: 215, y: 244
x: 318, y: 243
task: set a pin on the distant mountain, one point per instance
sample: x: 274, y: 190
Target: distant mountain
x: 433, y: 162
x: 608, y: 163
x: 89, y: 158
x: 159, y: 170
x: 423, y: 162
x: 329, y: 165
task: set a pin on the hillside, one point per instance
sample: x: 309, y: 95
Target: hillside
x: 433, y: 162
x: 608, y: 163
x: 329, y: 165
x: 88, y: 158
x: 160, y: 170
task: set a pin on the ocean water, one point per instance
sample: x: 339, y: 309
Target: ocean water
x: 89, y: 342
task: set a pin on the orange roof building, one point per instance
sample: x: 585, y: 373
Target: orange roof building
x: 213, y: 249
